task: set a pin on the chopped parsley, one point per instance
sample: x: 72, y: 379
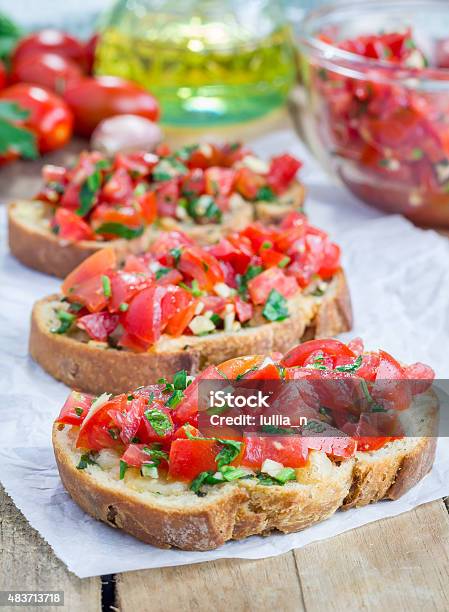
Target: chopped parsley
x: 88, y: 193
x: 66, y: 319
x: 79, y: 411
x: 162, y: 272
x: 180, y: 380
x: 176, y: 254
x: 351, y: 367
x: 175, y: 399
x: 123, y: 468
x: 194, y: 289
x: 106, y: 284
x: 231, y: 449
x: 120, y: 230
x: 123, y: 307
x: 85, y: 460
x: 266, y: 194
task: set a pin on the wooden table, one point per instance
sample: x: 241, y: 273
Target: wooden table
x: 399, y: 563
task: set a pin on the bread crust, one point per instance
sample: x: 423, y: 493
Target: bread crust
x: 86, y: 367
x: 235, y: 511
x: 33, y: 244
x: 244, y: 508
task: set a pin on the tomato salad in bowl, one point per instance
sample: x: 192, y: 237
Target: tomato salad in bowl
x: 149, y: 442
x: 179, y: 302
x: 124, y: 201
x: 378, y: 102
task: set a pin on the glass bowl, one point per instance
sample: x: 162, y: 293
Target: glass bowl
x: 382, y: 127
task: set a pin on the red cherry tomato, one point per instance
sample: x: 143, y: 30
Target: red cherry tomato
x: 51, y: 41
x: 260, y: 286
x: 282, y: 171
x: 125, y: 285
x: 143, y: 318
x: 50, y: 118
x: 46, y: 69
x: 187, y: 411
x: 196, y: 263
x: 96, y: 98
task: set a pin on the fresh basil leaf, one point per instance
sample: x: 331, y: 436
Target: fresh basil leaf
x: 66, y: 319
x: 11, y: 111
x: 266, y: 194
x: 118, y: 229
x: 162, y: 272
x: 85, y: 460
x: 180, y: 380
x: 351, y: 367
x: 88, y: 193
x: 123, y: 468
x: 275, y: 308
x: 175, y: 399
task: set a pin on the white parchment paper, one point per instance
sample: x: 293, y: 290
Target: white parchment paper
x: 399, y: 279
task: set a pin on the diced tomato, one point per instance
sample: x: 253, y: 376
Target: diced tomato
x: 391, y: 387
x: 204, y: 156
x: 165, y: 243
x: 370, y: 443
x: 293, y: 219
x: 330, y: 262
x: 188, y: 458
x: 260, y: 286
x: 148, y: 206
x: 94, y: 432
x: 215, y: 303
x: 167, y: 197
x: 118, y: 189
x: 268, y: 371
x: 187, y: 411
x: 135, y: 264
x: 99, y: 263
x: 172, y: 277
x: 75, y: 409
x: 198, y: 264
x: 136, y: 163
x: 238, y: 255
x: 133, y: 343
x: 356, y: 345
x: 193, y: 184
x: 331, y: 442
x: 219, y: 181
x: 99, y: 325
x: 128, y: 419
x: 181, y: 432
x: 54, y: 174
x: 248, y: 183
x: 291, y: 451
x: 123, y: 215
x: 238, y: 366
x: 178, y: 309
x: 421, y: 375
x: 282, y: 171
x: 271, y: 258
x: 259, y: 235
x: 244, y: 310
x: 143, y: 318
x: 149, y: 433
x: 125, y: 285
x: 90, y: 293
x: 70, y: 226
x: 298, y: 355
x: 135, y: 456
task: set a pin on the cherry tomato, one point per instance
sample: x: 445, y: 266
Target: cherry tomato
x: 178, y: 309
x: 70, y: 226
x: 49, y: 70
x: 50, y: 41
x: 90, y: 49
x: 94, y: 433
x: 75, y: 409
x: 125, y: 285
x: 96, y: 98
x: 50, y: 118
x: 135, y: 455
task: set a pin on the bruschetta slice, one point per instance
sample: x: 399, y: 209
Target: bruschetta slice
x: 202, y: 190
x: 140, y: 462
x: 181, y: 306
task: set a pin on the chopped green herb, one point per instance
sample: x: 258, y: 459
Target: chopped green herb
x: 351, y: 367
x: 202, y: 479
x: 316, y: 426
x: 88, y: 193
x: 123, y: 468
x: 156, y: 455
x: 231, y: 473
x: 175, y: 399
x: 123, y: 307
x: 275, y: 308
x: 162, y: 272
x: 266, y: 194
x: 158, y: 420
x: 417, y: 154
x: 266, y: 244
x: 325, y: 411
x: 114, y: 433
x: 284, y: 262
x: 14, y: 137
x: 176, y: 254
x: 118, y: 229
x: 106, y: 284
x: 216, y: 319
x: 84, y: 461
x: 78, y: 410
x: 285, y: 475
x: 228, y: 453
x: 194, y: 289
x: 180, y: 380
x: 66, y: 320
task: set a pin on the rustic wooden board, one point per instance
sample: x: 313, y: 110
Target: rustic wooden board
x: 28, y: 563
x: 233, y: 585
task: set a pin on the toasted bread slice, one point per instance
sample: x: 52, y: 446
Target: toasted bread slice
x: 33, y: 243
x: 95, y: 368
x: 167, y: 514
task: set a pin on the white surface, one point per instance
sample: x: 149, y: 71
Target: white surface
x: 399, y: 278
